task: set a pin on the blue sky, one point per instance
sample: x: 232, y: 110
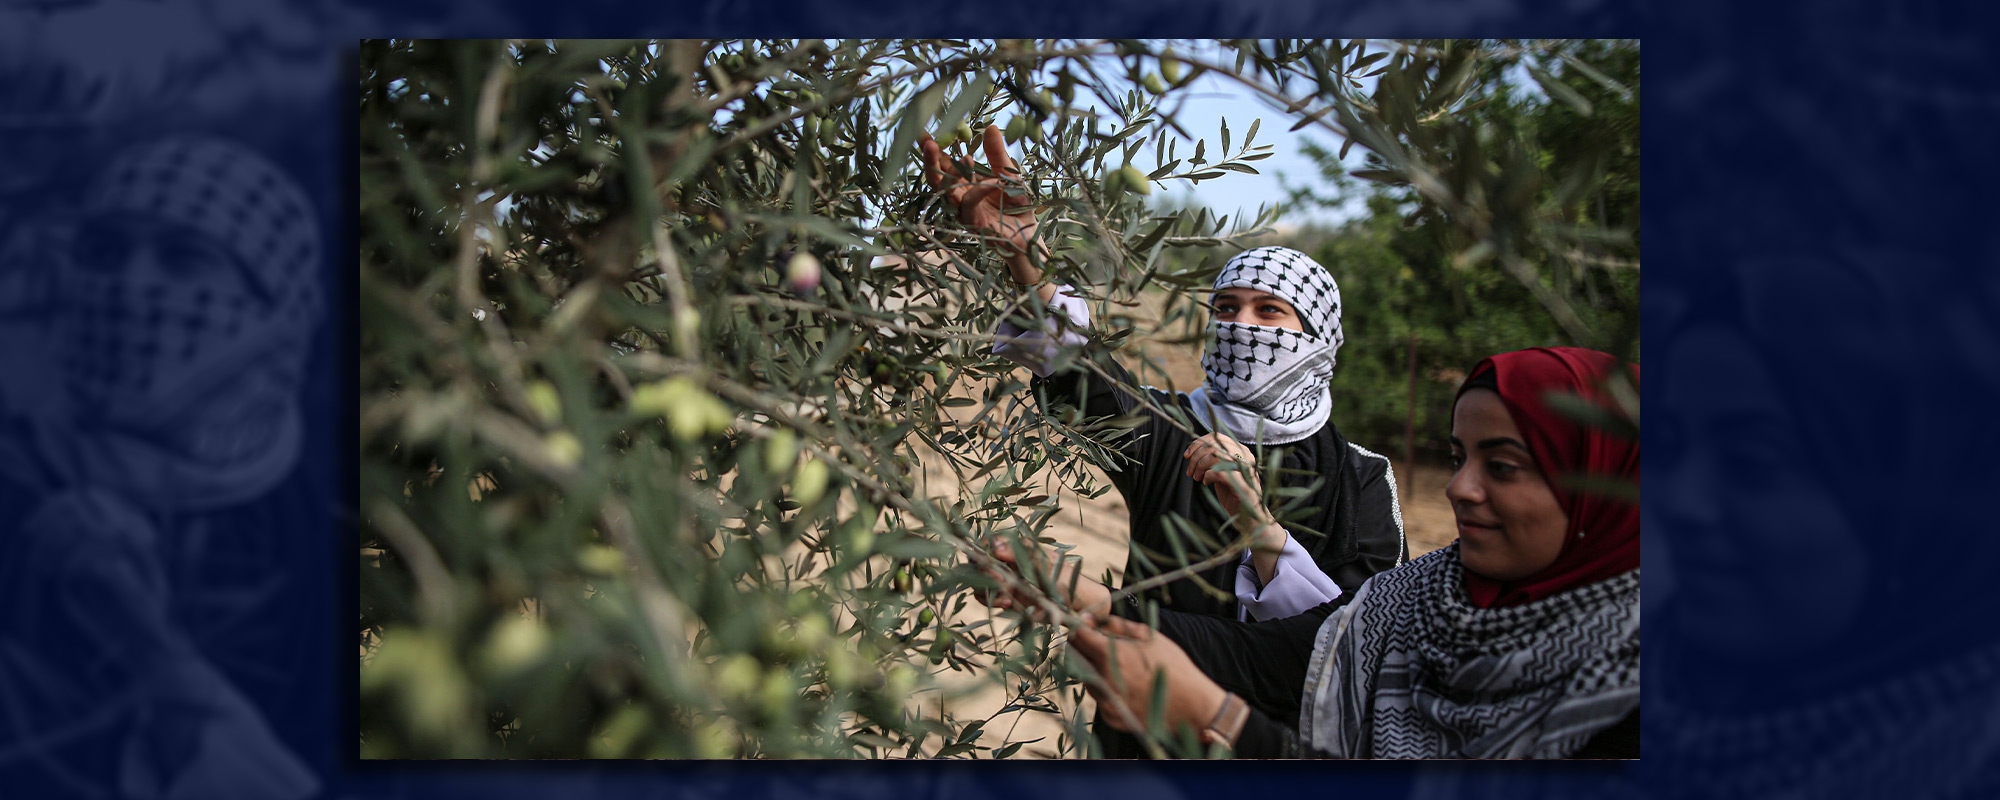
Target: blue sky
x: 1211, y: 99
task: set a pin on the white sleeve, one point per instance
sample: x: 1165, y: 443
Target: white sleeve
x: 1068, y: 317
x: 1297, y: 585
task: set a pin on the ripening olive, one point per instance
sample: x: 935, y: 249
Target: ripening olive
x: 1134, y: 180
x: 1016, y: 128
x: 802, y: 273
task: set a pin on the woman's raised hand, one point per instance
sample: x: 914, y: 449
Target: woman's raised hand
x: 996, y: 204
x: 1207, y: 453
x: 1241, y: 494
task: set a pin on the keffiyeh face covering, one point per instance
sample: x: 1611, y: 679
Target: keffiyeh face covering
x: 185, y: 314
x: 1265, y: 384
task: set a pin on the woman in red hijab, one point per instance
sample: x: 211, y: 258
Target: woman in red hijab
x: 1520, y: 640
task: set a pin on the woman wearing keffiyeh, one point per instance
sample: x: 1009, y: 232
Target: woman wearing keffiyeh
x: 165, y: 332
x: 1277, y: 315
x: 1277, y: 329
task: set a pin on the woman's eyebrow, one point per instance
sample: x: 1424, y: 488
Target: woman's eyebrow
x: 1501, y: 441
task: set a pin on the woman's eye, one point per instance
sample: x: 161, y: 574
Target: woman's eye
x: 1501, y: 469
x: 1271, y: 311
x: 1457, y: 460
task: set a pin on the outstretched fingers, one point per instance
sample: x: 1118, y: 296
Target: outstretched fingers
x: 1015, y: 193
x: 1093, y: 640
x: 934, y: 161
x: 1094, y: 647
x: 1089, y: 642
x: 1005, y: 597
x: 996, y: 153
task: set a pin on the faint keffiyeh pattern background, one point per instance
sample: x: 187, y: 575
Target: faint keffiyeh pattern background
x: 163, y: 297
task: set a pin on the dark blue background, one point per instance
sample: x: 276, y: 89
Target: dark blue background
x: 1820, y: 331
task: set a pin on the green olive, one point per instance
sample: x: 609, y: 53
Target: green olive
x: 1135, y: 180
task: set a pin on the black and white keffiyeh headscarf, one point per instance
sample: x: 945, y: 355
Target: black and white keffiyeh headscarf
x: 1412, y: 669
x: 181, y: 323
x: 1269, y: 385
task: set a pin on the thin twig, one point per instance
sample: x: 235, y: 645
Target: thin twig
x: 434, y: 584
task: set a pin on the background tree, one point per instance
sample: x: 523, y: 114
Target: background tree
x: 1412, y: 277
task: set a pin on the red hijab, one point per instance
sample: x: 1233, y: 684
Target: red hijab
x: 1603, y: 536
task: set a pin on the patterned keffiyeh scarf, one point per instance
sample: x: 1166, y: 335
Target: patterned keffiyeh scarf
x: 1265, y: 384
x: 1412, y: 669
